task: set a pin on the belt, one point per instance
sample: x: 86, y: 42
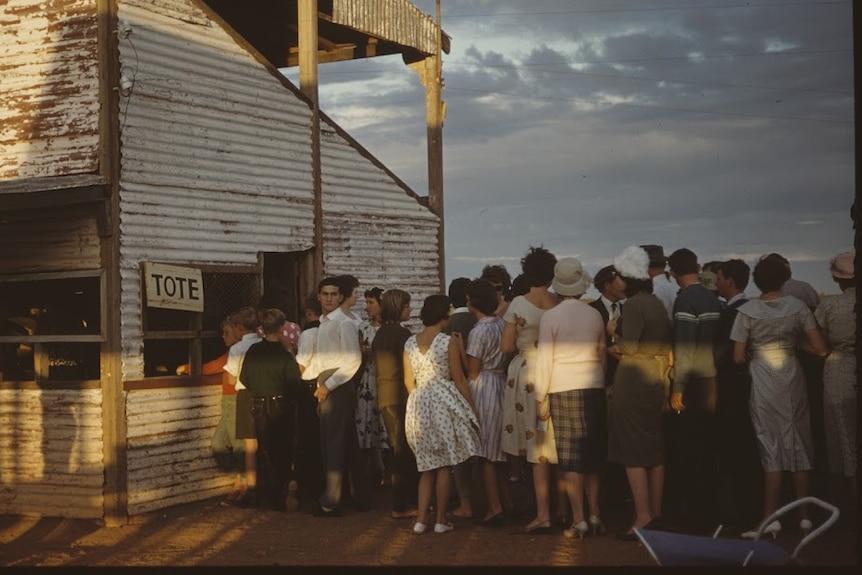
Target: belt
x: 265, y: 398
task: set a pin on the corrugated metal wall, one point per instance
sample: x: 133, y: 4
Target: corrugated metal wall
x: 216, y: 153
x: 170, y: 457
x: 49, y: 101
x: 51, y: 452
x: 49, y: 241
x: 216, y: 168
x: 372, y: 228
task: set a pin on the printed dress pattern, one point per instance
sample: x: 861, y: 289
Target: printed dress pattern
x: 441, y: 428
x: 369, y: 422
x: 520, y: 435
x: 487, y: 389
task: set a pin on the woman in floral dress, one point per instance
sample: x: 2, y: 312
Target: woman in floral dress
x: 369, y: 424
x: 521, y: 437
x: 441, y: 425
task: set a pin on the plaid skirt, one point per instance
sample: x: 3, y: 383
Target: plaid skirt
x: 580, y: 426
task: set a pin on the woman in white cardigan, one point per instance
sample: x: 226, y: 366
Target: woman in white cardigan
x: 570, y: 390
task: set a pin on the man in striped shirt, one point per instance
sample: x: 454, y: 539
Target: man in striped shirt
x: 694, y: 393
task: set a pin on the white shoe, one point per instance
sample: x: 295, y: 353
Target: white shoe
x: 442, y: 527
x: 771, y: 529
x: 419, y: 528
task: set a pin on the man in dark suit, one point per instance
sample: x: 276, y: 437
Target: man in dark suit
x: 612, y: 289
x: 610, y: 305
x: 740, y: 474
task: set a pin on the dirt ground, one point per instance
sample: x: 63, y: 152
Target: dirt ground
x: 214, y: 533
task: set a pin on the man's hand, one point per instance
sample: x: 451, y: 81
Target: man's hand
x: 321, y: 393
x: 676, y: 401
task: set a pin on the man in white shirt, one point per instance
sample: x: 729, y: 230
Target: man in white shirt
x: 246, y: 324
x: 337, y: 358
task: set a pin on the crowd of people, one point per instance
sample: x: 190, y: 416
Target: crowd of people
x: 673, y: 393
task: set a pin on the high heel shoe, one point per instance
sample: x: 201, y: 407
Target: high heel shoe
x: 596, y: 525
x: 419, y: 528
x: 772, y: 529
x: 805, y: 526
x: 579, y: 530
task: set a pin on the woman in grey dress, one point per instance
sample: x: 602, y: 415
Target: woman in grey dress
x: 766, y: 334
x: 836, y: 315
x: 639, y: 393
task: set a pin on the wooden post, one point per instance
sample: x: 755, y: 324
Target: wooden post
x: 114, y: 426
x: 430, y: 74
x: 435, y: 152
x: 308, y: 84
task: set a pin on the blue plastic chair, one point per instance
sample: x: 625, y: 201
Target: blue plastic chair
x: 680, y: 549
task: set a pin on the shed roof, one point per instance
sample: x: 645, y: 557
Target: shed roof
x: 347, y: 29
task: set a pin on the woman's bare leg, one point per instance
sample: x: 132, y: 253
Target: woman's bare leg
x: 444, y: 489
x: 639, y: 484
x: 655, y: 479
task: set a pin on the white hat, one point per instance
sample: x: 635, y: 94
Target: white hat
x: 841, y: 266
x: 633, y: 263
x: 570, y: 279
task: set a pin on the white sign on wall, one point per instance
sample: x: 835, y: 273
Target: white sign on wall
x: 174, y: 287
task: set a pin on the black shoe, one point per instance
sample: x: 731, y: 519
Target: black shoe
x: 495, y: 521
x: 627, y: 536
x: 247, y: 500
x: 321, y: 512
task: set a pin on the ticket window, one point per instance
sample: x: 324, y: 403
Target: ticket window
x: 176, y: 337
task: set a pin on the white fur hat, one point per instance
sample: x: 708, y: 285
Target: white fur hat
x: 633, y: 263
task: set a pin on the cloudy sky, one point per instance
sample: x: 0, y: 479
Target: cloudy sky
x: 724, y: 126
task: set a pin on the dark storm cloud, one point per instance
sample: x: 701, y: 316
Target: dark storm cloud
x: 724, y: 128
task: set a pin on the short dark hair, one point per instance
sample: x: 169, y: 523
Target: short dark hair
x: 434, y: 309
x: 348, y: 284
x: 538, y: 265
x: 312, y: 303
x: 391, y: 303
x: 520, y: 285
x: 770, y: 274
x: 777, y: 257
x: 498, y: 274
x: 374, y: 293
x: 710, y: 266
x: 844, y: 283
x: 330, y: 281
x: 458, y: 291
x: 604, y: 276
x: 683, y: 262
x: 483, y: 296
x: 737, y: 270
x: 636, y: 286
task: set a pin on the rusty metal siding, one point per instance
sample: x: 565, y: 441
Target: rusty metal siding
x: 398, y: 21
x: 51, y: 453
x: 169, y: 453
x: 49, y: 102
x: 49, y: 241
x: 372, y: 228
x: 216, y: 153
